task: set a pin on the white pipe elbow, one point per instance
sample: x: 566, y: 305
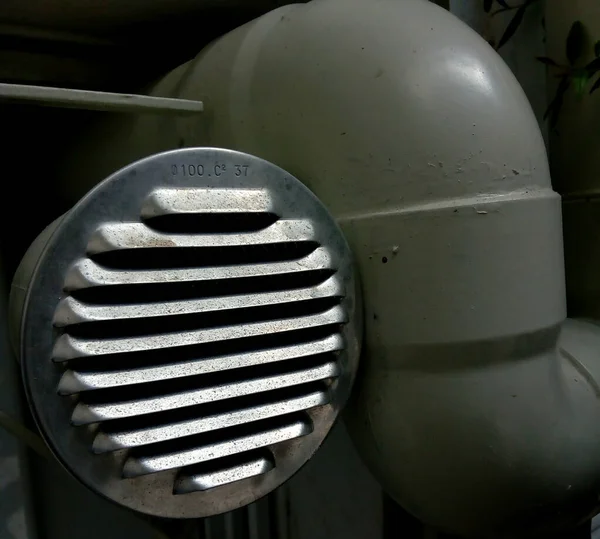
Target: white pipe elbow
x: 420, y: 141
x: 417, y: 137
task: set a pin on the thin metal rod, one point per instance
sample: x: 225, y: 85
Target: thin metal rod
x: 24, y: 435
x: 91, y: 100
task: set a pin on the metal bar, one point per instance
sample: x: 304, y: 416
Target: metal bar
x: 23, y: 434
x: 253, y: 528
x: 91, y: 100
x: 282, y: 512
x: 230, y: 525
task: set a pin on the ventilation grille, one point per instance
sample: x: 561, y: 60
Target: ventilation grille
x: 200, y: 336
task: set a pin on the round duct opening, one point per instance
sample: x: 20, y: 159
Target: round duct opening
x: 190, y: 332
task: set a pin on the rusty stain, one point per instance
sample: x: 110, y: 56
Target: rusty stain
x: 159, y: 242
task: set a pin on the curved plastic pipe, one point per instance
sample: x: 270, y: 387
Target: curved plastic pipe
x: 473, y: 409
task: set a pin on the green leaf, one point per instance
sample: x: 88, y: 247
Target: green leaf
x: 548, y: 61
x: 595, y: 86
x: 487, y: 5
x: 597, y: 48
x: 593, y: 67
x: 555, y: 106
x: 580, y: 82
x: 513, y: 25
x: 575, y: 42
x: 503, y: 3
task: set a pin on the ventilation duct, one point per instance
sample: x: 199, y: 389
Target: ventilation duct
x: 189, y: 332
x: 477, y: 402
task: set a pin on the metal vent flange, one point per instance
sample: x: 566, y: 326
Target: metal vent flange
x: 191, y: 332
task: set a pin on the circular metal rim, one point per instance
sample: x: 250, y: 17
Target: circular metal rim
x: 41, y: 377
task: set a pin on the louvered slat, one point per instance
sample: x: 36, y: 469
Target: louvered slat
x: 71, y: 311
x: 68, y: 347
x: 136, y: 466
x: 187, y: 484
x: 86, y: 273
x: 93, y: 413
x: 75, y: 382
x: 112, y: 441
x: 211, y: 201
x: 119, y: 236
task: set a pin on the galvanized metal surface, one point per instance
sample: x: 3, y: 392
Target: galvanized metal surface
x: 207, y: 481
x: 185, y: 354
x: 86, y: 273
x: 93, y: 413
x: 74, y: 382
x: 143, y: 436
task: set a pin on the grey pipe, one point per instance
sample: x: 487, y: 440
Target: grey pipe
x: 477, y: 408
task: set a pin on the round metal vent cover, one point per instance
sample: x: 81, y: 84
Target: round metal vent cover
x: 191, y: 332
